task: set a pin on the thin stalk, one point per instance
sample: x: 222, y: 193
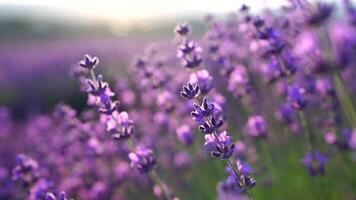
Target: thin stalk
x: 341, y: 91
x: 345, y: 101
x: 238, y: 175
x: 305, y: 130
x: 269, y: 161
x: 157, y: 180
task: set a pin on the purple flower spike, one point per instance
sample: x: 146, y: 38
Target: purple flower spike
x: 142, y: 159
x: 89, y: 62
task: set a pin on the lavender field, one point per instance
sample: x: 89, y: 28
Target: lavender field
x: 246, y: 105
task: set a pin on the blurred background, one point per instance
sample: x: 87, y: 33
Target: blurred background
x: 41, y: 40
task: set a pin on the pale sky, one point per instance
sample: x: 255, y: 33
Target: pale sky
x: 134, y: 10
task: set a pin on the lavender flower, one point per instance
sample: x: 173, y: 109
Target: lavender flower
x: 89, y: 62
x: 26, y: 172
x: 321, y: 13
x: 238, y: 183
x: 296, y: 97
x: 222, y: 143
x: 203, y: 79
x: 51, y: 196
x: 203, y: 111
x: 142, y: 159
x: 182, y: 29
x: 101, y: 90
x: 256, y: 126
x: 190, y: 91
x: 315, y: 163
x: 187, y: 48
x: 185, y: 135
x: 120, y: 125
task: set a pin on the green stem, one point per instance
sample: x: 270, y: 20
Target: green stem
x: 157, y: 180
x: 345, y: 101
x: 269, y: 161
x: 305, y: 130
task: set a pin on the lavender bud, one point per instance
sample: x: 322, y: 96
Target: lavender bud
x: 190, y: 91
x: 89, y: 62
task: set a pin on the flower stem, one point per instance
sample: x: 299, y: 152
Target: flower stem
x: 157, y: 180
x: 345, y: 101
x: 305, y: 130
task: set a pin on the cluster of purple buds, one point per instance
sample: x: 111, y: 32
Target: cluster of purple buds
x: 238, y: 183
x: 120, y: 125
x: 344, y: 142
x: 60, y: 196
x: 320, y: 13
x: 182, y: 29
x: 209, y: 123
x: 315, y: 163
x: 203, y: 79
x: 188, y: 50
x: 89, y: 62
x: 101, y: 91
x: 185, y: 135
x: 285, y: 114
x: 142, y: 159
x: 239, y: 82
x: 277, y: 51
x: 190, y: 91
x: 26, y: 172
x: 256, y: 126
x: 296, y: 97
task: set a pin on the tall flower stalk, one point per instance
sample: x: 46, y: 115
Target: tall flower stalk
x: 120, y: 125
x: 206, y: 114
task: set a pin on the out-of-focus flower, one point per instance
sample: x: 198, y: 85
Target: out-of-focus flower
x: 203, y: 79
x: 320, y: 14
x: 315, y: 163
x: 26, y: 172
x: 120, y: 125
x: 296, y: 97
x: 185, y: 135
x: 142, y: 159
x: 256, y: 126
x: 182, y: 29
